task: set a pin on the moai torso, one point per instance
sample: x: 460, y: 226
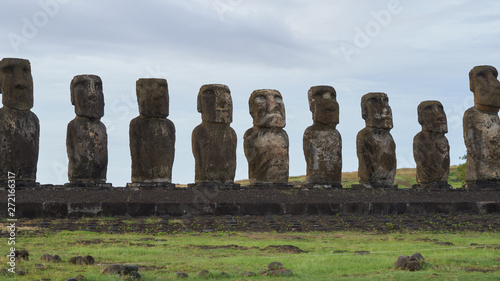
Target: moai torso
x: 152, y: 135
x: 376, y: 152
x: 323, y: 151
x: 432, y: 155
x: 322, y: 143
x: 214, y: 141
x: 482, y: 139
x: 86, y: 139
x: 87, y: 145
x: 266, y: 143
x: 266, y: 150
x: 214, y: 147
x: 19, y: 127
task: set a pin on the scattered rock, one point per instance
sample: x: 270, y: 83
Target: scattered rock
x: 418, y: 257
x: 39, y: 266
x: 444, y: 243
x: 80, y: 277
x: 120, y: 269
x: 204, y: 274
x: 401, y: 262
x: 362, y: 253
x: 22, y: 272
x: 22, y: 254
x: 182, y: 275
x: 281, y: 272
x: 72, y: 279
x: 134, y: 275
x: 275, y: 266
x: 88, y: 260
x: 51, y: 258
x: 283, y: 249
x: 339, y: 251
x: 413, y: 265
x: 248, y: 274
x: 75, y: 260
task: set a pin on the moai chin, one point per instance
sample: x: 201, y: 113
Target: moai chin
x: 431, y: 150
x: 214, y: 141
x: 375, y: 146
x: 482, y: 130
x: 152, y: 136
x: 19, y: 127
x: 322, y: 142
x: 86, y: 139
x: 266, y: 143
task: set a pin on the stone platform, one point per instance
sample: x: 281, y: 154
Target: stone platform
x: 60, y: 201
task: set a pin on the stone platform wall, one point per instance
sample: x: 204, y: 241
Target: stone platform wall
x: 58, y: 201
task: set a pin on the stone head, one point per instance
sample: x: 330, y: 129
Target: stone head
x: 215, y: 103
x: 152, y: 96
x: 376, y: 111
x: 267, y: 108
x: 485, y: 86
x: 16, y: 83
x: 323, y: 105
x: 432, y: 117
x: 87, y: 96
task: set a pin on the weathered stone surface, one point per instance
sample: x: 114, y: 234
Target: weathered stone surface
x: 401, y: 262
x: 418, y: 257
x: 322, y: 142
x: 22, y: 254
x: 431, y: 150
x: 152, y: 135
x: 266, y: 143
x: 51, y: 258
x: 482, y: 128
x: 120, y: 269
x: 375, y: 146
x: 86, y: 139
x: 214, y: 141
x: 19, y: 127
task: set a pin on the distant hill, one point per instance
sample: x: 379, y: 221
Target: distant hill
x: 405, y: 177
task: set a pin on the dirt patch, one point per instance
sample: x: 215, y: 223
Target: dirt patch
x: 283, y: 249
x: 211, y: 247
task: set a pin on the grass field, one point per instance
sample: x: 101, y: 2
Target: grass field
x: 326, y: 256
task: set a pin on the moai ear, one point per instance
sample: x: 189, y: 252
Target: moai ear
x: 198, y: 103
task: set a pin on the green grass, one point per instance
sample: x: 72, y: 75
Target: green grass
x: 162, y: 256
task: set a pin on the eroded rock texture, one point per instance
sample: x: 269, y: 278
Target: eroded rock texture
x: 266, y: 143
x: 482, y: 129
x: 214, y: 141
x: 152, y: 135
x: 19, y: 127
x: 86, y: 139
x: 431, y: 150
x: 375, y: 146
x: 322, y: 142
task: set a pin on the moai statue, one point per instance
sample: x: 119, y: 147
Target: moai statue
x: 322, y: 142
x: 214, y: 141
x: 482, y: 130
x: 375, y: 146
x: 152, y: 136
x: 430, y: 147
x: 19, y: 127
x: 266, y: 143
x: 86, y: 139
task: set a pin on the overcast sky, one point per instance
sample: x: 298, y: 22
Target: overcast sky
x: 411, y: 50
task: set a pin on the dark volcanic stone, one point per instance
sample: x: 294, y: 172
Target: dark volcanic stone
x: 401, y: 262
